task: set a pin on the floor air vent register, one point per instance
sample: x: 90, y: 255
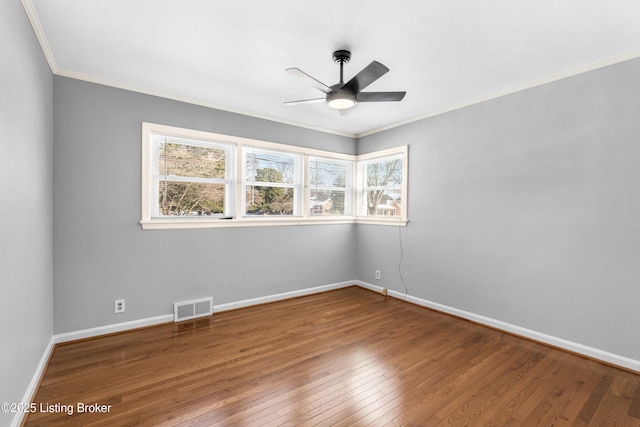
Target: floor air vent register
x: 186, y: 310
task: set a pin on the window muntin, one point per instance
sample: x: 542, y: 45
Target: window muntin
x: 190, y: 177
x: 272, y: 181
x: 330, y: 186
x: 382, y: 186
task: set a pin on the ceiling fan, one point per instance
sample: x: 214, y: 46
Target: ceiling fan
x: 342, y: 96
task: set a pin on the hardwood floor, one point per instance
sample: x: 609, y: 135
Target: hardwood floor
x: 346, y: 357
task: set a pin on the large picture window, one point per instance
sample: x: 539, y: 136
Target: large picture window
x: 194, y: 179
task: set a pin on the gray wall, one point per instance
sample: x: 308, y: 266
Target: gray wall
x: 102, y: 254
x: 525, y: 209
x: 25, y: 204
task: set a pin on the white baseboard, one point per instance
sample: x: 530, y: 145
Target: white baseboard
x: 278, y: 297
x: 591, y: 352
x: 30, y: 393
x: 109, y: 329
x: 594, y: 353
x: 150, y: 321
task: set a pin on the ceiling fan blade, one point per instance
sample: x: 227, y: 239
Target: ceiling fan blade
x: 364, y: 78
x: 380, y: 96
x: 296, y: 72
x: 305, y: 101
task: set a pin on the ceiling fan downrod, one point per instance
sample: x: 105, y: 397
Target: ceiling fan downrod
x: 341, y: 57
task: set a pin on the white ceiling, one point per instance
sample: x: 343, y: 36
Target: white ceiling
x: 232, y: 54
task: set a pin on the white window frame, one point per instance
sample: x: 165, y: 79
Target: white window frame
x: 296, y: 185
x: 349, y: 190
x: 228, y: 181
x: 361, y: 209
x: 235, y: 206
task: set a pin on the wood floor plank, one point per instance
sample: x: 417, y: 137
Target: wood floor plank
x: 634, y: 408
x: 345, y: 357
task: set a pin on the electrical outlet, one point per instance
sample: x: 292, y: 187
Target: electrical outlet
x: 119, y: 306
x: 377, y: 274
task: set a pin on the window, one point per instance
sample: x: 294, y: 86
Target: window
x: 193, y: 179
x: 272, y: 182
x: 382, y: 185
x: 190, y: 177
x: 330, y: 184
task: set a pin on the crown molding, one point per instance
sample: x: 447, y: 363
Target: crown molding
x: 194, y: 101
x: 40, y: 35
x: 539, y: 82
x: 55, y: 69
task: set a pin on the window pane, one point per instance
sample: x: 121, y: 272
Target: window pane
x: 384, y: 202
x: 328, y: 179
x: 190, y: 199
x: 326, y: 202
x: 385, y: 172
x: 262, y: 166
x: 268, y: 200
x: 191, y: 160
x: 327, y: 173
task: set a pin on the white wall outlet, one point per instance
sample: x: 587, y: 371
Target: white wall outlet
x: 119, y: 306
x: 377, y: 274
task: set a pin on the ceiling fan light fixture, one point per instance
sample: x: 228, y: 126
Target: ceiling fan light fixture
x: 342, y: 103
x: 341, y: 100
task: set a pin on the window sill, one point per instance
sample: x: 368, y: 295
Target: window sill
x: 398, y: 222
x: 176, y: 224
